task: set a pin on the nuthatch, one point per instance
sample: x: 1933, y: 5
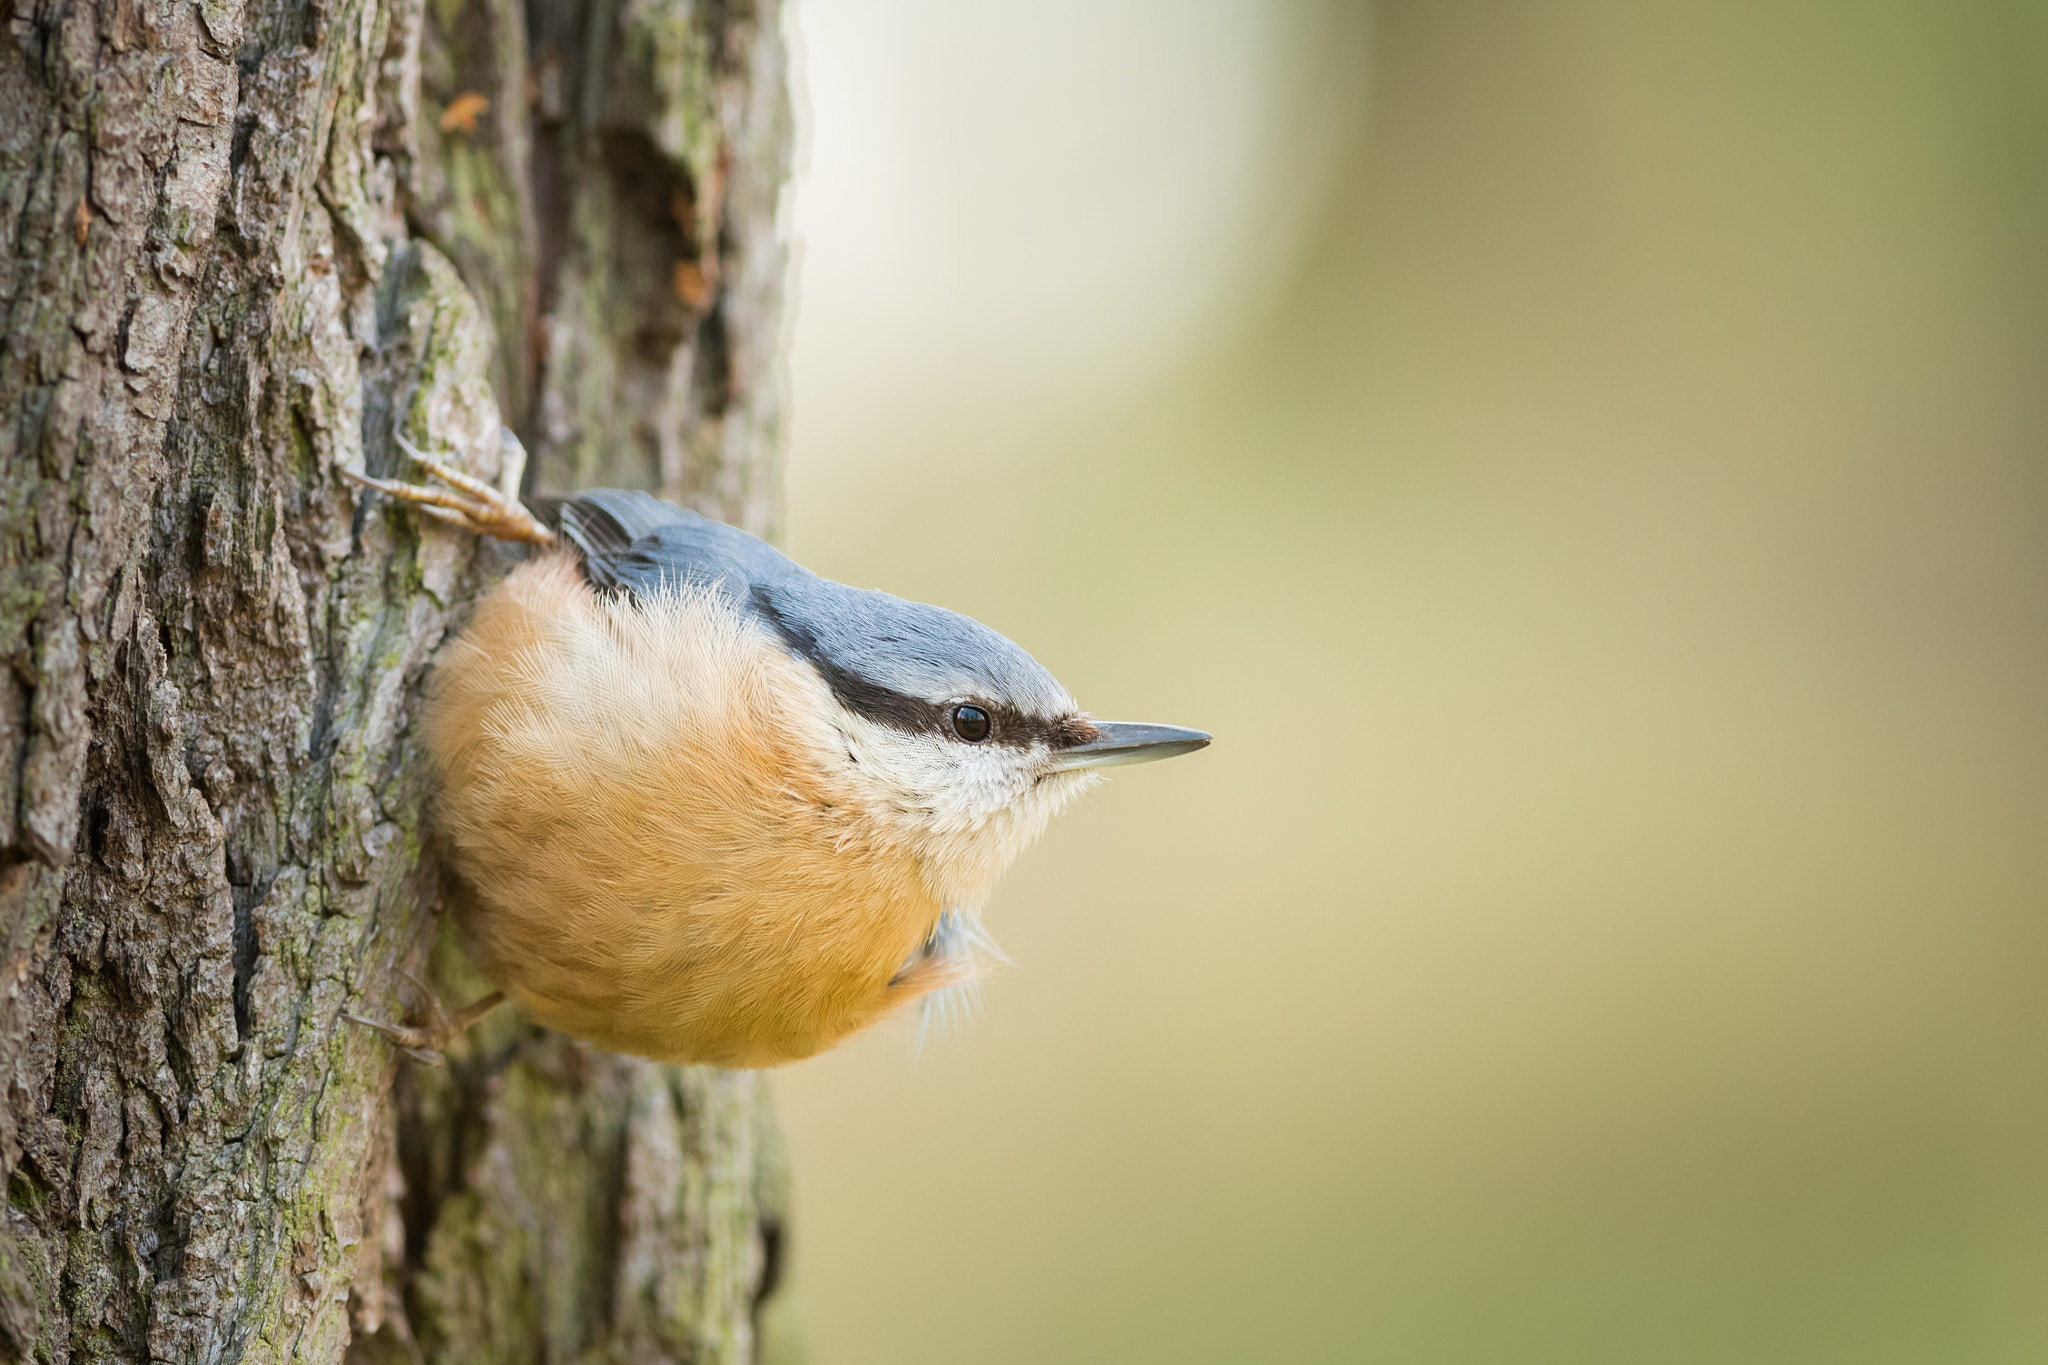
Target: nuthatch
x: 710, y: 807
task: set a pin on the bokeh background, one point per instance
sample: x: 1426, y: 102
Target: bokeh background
x: 1588, y: 464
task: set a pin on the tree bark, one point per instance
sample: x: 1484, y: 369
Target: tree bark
x: 242, y: 247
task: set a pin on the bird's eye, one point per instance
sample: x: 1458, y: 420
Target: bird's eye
x: 970, y: 723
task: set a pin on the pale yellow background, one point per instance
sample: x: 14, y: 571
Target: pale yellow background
x: 1588, y: 464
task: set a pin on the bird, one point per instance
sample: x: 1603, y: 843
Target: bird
x: 706, y: 806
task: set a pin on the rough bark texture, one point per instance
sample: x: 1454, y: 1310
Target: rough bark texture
x: 241, y: 245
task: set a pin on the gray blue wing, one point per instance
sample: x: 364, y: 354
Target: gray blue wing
x: 638, y: 543
x: 884, y: 657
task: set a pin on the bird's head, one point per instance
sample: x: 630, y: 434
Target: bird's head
x: 959, y: 745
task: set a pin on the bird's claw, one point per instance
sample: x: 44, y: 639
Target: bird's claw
x: 408, y: 1040
x: 467, y: 502
x: 423, y: 1041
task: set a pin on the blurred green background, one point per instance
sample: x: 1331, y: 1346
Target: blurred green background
x: 1588, y: 464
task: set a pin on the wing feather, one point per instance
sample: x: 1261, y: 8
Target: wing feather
x: 604, y: 524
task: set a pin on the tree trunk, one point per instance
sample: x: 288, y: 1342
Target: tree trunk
x: 241, y: 247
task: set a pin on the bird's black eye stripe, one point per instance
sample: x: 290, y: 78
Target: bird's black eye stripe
x: 971, y: 723
x: 915, y: 715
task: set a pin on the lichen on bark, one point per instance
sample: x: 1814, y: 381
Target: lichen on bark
x: 243, y: 245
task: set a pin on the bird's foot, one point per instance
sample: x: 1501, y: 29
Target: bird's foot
x: 467, y: 502
x: 423, y: 1041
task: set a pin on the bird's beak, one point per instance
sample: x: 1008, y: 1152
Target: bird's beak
x: 1118, y: 742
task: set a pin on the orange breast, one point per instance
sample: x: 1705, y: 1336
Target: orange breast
x: 659, y: 859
